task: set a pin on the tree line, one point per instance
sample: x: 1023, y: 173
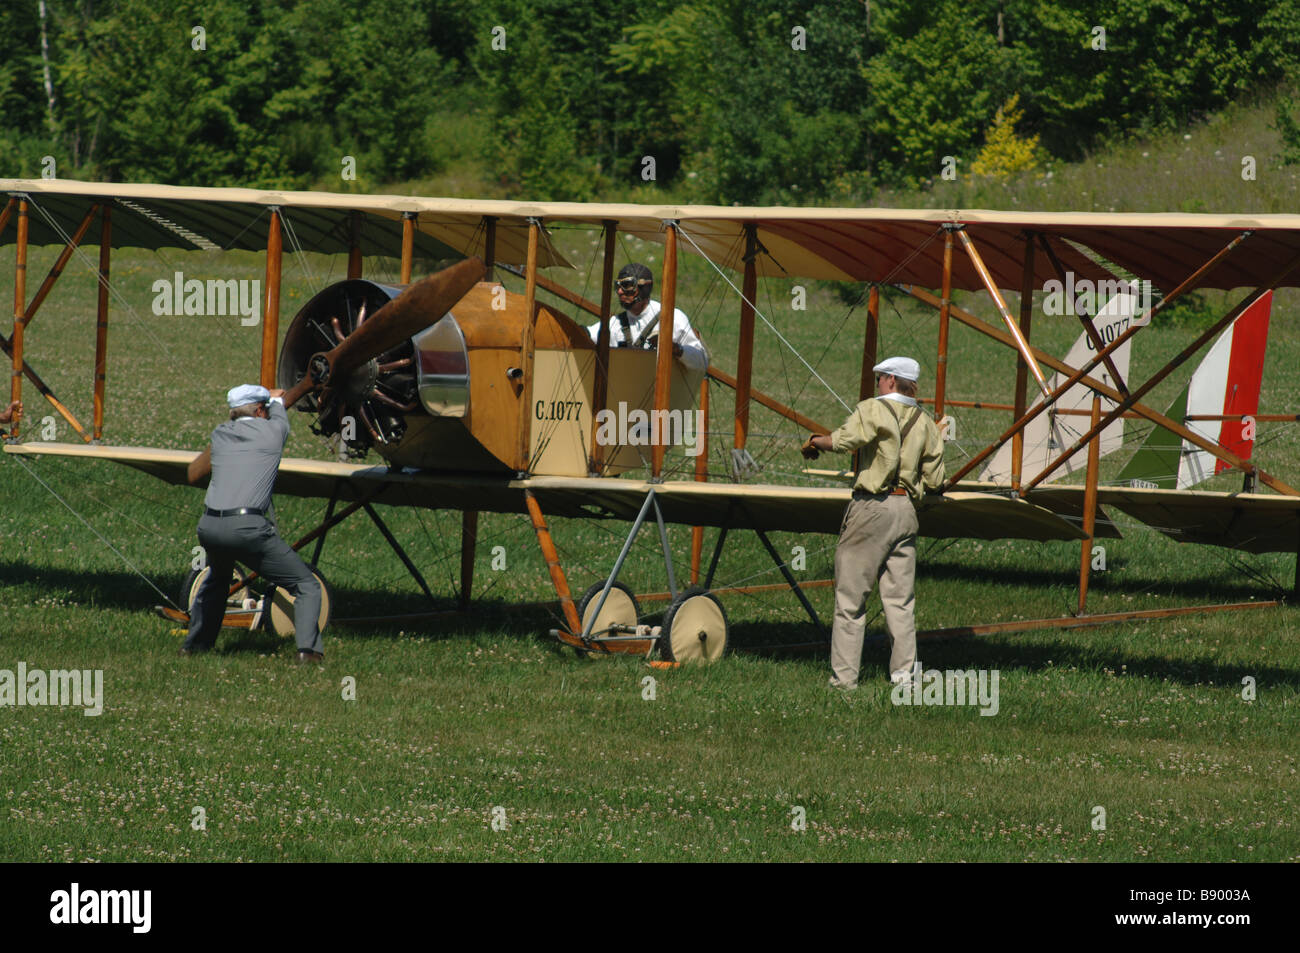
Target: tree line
x: 724, y: 101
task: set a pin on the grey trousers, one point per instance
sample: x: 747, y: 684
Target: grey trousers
x: 253, y: 541
x: 877, y: 547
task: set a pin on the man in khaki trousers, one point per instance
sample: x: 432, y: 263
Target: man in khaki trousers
x: 902, y: 457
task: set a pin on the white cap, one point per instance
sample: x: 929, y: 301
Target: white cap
x: 247, y: 394
x: 902, y: 367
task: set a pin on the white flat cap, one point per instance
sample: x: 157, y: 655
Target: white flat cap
x: 247, y: 394
x: 903, y: 367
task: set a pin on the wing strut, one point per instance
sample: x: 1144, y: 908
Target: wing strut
x: 794, y: 584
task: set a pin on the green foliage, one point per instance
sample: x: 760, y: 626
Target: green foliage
x: 795, y: 101
x: 1289, y: 131
x: 1004, y: 152
x: 275, y: 95
x: 1193, y: 310
x: 934, y: 90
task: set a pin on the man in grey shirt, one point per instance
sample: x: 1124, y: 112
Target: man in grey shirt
x: 237, y: 523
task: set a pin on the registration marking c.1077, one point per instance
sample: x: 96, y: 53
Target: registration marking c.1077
x: 558, y: 410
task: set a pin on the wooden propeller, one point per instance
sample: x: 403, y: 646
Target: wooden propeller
x: 410, y: 312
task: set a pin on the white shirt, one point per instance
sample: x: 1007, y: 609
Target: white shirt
x: 646, y: 325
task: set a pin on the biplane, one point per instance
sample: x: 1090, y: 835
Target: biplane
x: 479, y: 399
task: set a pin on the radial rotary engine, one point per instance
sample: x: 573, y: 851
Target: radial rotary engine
x: 371, y: 406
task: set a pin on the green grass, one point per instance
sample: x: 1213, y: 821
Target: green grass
x: 1145, y: 721
x: 455, y: 717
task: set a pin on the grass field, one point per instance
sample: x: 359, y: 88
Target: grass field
x: 460, y: 722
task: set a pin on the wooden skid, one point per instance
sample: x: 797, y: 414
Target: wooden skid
x: 617, y: 646
x: 1084, y: 621
x: 232, y: 620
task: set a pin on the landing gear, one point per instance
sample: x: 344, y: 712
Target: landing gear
x: 695, y: 628
x: 194, y: 579
x: 279, y: 615
x: 245, y: 609
x: 620, y: 609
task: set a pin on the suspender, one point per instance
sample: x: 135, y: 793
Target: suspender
x: 646, y: 332
x: 640, y: 338
x: 905, y: 429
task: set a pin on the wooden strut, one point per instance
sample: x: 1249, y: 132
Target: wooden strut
x: 354, y: 245
x: 1030, y: 625
x: 57, y: 268
x: 329, y: 514
x: 101, y: 320
x: 870, y: 343
x: 468, y: 548
x: 1125, y: 402
x: 1022, y: 369
x: 271, y: 313
x: 408, y: 245
x: 945, y: 302
x: 664, y: 362
x: 30, y: 311
x: 546, y: 284
x: 1076, y: 375
x: 1089, y: 508
x: 600, y: 395
x: 20, y: 299
x: 870, y: 340
x: 1089, y: 328
x: 1078, y: 622
x: 991, y: 287
x: 789, y: 413
x: 745, y: 346
x: 552, y: 558
x: 45, y: 392
x: 527, y: 359
x: 1128, y: 415
x: 489, y: 247
x: 701, y: 476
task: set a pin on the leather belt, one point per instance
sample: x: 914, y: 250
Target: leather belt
x: 864, y: 495
x: 241, y: 511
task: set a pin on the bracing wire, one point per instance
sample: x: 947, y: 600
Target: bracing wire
x: 32, y: 473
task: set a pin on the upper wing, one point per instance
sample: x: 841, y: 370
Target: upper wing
x: 895, y: 245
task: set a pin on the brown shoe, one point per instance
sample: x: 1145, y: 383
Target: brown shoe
x: 307, y: 658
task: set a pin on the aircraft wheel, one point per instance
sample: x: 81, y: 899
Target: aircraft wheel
x: 194, y: 581
x: 280, y: 616
x: 620, y: 607
x: 695, y: 628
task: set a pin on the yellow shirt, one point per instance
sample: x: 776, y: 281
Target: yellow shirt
x: 875, y: 430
